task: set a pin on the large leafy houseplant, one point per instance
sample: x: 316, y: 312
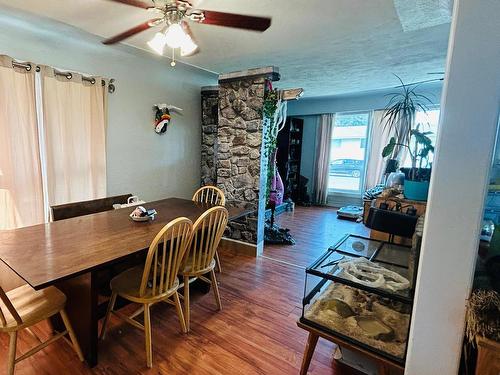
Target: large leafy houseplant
x: 400, y: 120
x: 419, y: 147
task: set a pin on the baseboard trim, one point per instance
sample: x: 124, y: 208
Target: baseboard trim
x: 238, y: 247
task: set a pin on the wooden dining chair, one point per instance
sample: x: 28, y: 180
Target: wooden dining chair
x: 199, y: 260
x: 210, y: 194
x: 213, y: 195
x: 154, y: 282
x: 24, y: 307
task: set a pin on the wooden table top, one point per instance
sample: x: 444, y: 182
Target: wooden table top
x: 45, y: 253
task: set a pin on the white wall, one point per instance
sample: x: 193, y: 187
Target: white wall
x: 138, y: 160
x: 363, y: 101
x: 465, y: 140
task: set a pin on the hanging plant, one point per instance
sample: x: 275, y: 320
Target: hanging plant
x: 270, y: 135
x: 268, y: 111
x: 270, y: 102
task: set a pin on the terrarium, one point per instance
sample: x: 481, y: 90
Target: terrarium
x: 361, y: 290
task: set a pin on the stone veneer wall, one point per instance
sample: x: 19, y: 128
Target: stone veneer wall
x: 209, y: 123
x: 239, y: 150
x: 240, y: 169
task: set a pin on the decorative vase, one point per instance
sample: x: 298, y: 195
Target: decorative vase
x: 416, y: 190
x: 277, y: 188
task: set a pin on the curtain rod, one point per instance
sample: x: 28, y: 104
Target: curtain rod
x: 68, y: 75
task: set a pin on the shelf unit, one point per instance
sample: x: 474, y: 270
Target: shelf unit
x: 289, y: 156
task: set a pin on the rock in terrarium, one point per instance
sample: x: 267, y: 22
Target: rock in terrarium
x: 364, y: 317
x: 375, y: 328
x: 339, y: 306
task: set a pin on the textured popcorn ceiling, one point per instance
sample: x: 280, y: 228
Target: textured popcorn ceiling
x: 328, y: 47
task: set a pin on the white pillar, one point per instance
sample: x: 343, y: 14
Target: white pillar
x: 469, y: 117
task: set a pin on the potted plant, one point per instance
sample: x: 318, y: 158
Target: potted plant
x: 399, y: 119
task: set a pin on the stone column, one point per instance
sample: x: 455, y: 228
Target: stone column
x: 209, y: 123
x: 241, y: 169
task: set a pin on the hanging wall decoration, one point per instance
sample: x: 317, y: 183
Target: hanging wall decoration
x: 163, y: 117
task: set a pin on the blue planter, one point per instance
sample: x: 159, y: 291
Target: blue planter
x: 416, y: 190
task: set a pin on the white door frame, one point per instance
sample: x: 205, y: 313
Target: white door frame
x: 465, y: 142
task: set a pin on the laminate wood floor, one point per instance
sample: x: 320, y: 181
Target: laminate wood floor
x: 314, y: 230
x: 255, y: 333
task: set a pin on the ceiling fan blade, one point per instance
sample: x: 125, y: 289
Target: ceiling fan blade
x: 135, y: 3
x: 130, y: 32
x: 236, y: 20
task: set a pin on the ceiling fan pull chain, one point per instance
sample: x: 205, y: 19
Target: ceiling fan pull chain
x: 173, y: 57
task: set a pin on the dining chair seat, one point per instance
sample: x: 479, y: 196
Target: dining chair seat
x: 189, y: 271
x: 24, y: 307
x: 128, y: 285
x: 32, y: 306
x: 155, y: 281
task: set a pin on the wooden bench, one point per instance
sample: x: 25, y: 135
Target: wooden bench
x: 69, y: 210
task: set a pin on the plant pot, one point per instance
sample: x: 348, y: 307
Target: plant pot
x: 416, y: 190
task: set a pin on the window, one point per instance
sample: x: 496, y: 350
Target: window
x: 348, y: 152
x: 351, y: 119
x: 428, y: 122
x: 337, y: 143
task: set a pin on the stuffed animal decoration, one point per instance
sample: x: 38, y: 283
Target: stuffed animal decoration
x: 162, y: 116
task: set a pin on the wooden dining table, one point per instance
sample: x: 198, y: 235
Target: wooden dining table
x: 70, y: 254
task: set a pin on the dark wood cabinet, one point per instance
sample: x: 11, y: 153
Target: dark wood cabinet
x: 289, y: 156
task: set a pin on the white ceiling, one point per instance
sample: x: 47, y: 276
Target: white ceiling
x: 328, y: 47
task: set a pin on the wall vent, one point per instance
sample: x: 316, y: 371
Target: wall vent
x: 420, y: 14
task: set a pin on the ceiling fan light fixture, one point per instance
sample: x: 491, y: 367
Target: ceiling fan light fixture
x: 158, y: 42
x: 175, y: 36
x: 188, y: 47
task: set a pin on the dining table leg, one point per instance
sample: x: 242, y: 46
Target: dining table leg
x: 82, y: 311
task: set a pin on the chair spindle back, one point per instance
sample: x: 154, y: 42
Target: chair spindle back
x: 210, y: 194
x: 205, y: 237
x: 161, y: 269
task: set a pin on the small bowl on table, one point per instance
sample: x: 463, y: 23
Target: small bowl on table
x: 140, y: 214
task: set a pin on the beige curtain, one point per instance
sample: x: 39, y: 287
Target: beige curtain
x: 379, y: 139
x: 375, y: 162
x: 322, y: 161
x: 74, y: 123
x: 21, y: 194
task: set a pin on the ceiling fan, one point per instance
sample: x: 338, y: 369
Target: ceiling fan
x: 173, y: 15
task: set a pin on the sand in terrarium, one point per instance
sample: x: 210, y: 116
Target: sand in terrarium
x: 392, y: 314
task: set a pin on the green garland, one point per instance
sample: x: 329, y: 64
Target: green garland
x: 270, y: 103
x: 270, y: 143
